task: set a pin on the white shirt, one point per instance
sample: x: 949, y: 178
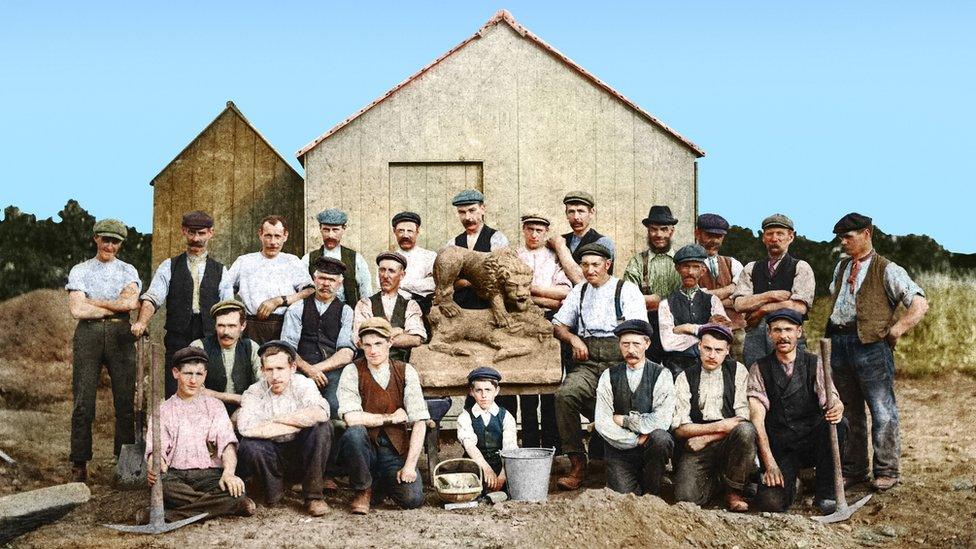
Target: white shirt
x: 711, y: 395
x: 465, y: 429
x: 660, y: 416
x: 599, y: 309
x: 257, y: 278
x: 259, y: 404
x: 419, y: 275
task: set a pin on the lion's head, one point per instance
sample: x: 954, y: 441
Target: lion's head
x: 510, y: 277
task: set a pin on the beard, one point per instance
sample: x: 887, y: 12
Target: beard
x: 659, y: 249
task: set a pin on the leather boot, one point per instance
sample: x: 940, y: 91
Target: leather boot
x: 360, y: 503
x: 577, y: 473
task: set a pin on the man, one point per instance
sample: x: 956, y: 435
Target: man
x: 580, y: 208
x: 586, y: 321
x: 285, y: 429
x: 634, y: 410
x: 379, y: 398
x: 549, y: 288
x: 788, y: 406
x: 189, y: 285
x: 233, y: 362
x: 711, y: 421
x: 267, y: 281
x: 320, y: 327
x: 685, y: 310
x: 721, y: 274
x: 653, y: 270
x: 779, y: 282
x: 101, y: 292
x: 198, y: 448
x: 356, y: 283
x: 418, y: 280
x: 477, y: 236
x: 862, y: 328
x: 402, y: 313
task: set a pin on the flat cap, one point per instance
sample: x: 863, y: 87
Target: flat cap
x: 468, y: 196
x: 634, y: 326
x: 395, y: 256
x: 579, y: 197
x: 190, y: 354
x: 332, y: 216
x: 278, y: 344
x: 592, y: 249
x: 785, y: 314
x: 777, y: 220
x: 197, y: 219
x: 713, y: 223
x: 225, y: 306
x: 376, y: 325
x: 852, y: 222
x: 110, y: 227
x: 691, y: 252
x: 406, y: 216
x: 330, y: 265
x: 535, y: 217
x: 659, y: 215
x: 715, y: 330
x: 484, y: 372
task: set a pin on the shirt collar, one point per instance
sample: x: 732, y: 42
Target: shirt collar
x: 689, y: 293
x: 477, y: 412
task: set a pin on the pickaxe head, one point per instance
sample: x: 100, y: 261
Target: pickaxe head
x: 843, y: 513
x: 158, y: 526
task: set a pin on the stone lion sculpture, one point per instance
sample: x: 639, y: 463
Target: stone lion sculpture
x: 499, y: 277
x: 528, y: 333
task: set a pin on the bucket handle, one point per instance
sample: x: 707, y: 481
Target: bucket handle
x: 481, y: 474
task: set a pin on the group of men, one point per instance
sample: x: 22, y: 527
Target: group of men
x: 689, y: 359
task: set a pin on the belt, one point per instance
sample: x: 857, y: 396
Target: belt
x: 846, y: 329
x: 271, y: 318
x: 119, y: 317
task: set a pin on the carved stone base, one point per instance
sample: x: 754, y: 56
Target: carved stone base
x: 443, y: 371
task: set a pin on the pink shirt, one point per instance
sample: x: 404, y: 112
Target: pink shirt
x: 193, y: 433
x: 546, y: 270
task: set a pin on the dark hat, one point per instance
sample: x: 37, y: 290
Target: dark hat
x: 330, y: 265
x: 484, y: 372
x: 468, y: 196
x: 110, y: 227
x: 398, y: 257
x: 852, y: 222
x: 406, y: 216
x: 197, y: 219
x: 713, y: 223
x: 592, y: 249
x: 280, y: 344
x: 190, y: 354
x: 535, y: 217
x: 691, y: 252
x: 715, y: 330
x: 579, y: 197
x: 376, y: 325
x: 224, y: 306
x: 777, y: 220
x: 634, y: 326
x: 332, y: 216
x: 659, y: 215
x: 785, y: 314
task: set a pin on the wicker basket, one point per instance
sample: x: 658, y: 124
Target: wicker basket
x: 458, y: 487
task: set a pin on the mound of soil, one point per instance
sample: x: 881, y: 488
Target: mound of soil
x: 37, y: 327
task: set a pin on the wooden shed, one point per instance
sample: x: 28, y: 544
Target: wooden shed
x: 506, y: 113
x: 233, y: 173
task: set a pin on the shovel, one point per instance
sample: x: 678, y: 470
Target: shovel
x: 157, y: 520
x: 843, y: 511
x: 130, y: 471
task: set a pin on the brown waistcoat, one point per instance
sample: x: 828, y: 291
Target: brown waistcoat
x: 377, y: 400
x: 724, y: 279
x: 875, y: 313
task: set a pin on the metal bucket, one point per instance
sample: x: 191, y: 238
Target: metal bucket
x: 528, y: 471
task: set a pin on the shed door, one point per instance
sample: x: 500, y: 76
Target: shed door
x: 427, y: 189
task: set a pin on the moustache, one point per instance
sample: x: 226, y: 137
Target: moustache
x: 632, y: 355
x: 784, y: 340
x: 469, y: 222
x: 226, y: 337
x: 403, y: 239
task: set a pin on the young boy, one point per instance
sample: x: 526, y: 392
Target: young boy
x: 485, y: 428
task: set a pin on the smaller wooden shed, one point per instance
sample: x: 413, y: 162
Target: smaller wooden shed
x: 233, y: 173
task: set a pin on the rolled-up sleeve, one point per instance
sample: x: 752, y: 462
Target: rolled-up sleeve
x: 228, y: 283
x: 300, y: 277
x: 670, y: 341
x: 804, y: 284
x: 568, y: 313
x: 756, y: 387
x: 291, y: 326
x: 348, y: 391
x: 743, y: 288
x: 223, y: 428
x: 899, y: 286
x: 413, y: 324
x: 632, y: 302
x: 662, y: 410
x: 159, y: 286
x: 344, y: 340
x: 362, y: 276
x: 413, y: 397
x: 76, y: 279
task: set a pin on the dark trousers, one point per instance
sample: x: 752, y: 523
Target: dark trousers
x: 107, y: 342
x: 814, y: 450
x: 532, y: 435
x: 174, y: 341
x: 577, y: 394
x: 303, y: 457
x: 375, y: 466
x: 865, y: 374
x: 700, y: 475
x: 639, y: 470
x: 263, y: 331
x: 189, y: 492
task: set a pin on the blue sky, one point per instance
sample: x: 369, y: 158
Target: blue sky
x: 814, y: 109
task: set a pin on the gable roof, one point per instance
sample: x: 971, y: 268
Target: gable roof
x: 503, y: 16
x: 233, y: 108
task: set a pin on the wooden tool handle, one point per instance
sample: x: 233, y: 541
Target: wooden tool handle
x: 156, y: 398
x: 834, y: 443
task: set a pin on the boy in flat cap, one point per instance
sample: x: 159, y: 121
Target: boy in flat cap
x: 634, y: 410
x: 198, y: 448
x: 711, y: 422
x: 320, y: 327
x: 101, y: 292
x: 267, y: 281
x: 778, y: 282
x: 403, y: 313
x: 685, y: 310
x: 356, y: 282
x: 234, y: 364
x: 721, y: 273
x: 188, y: 285
x: 791, y: 412
x: 383, y: 406
x: 285, y: 429
x: 485, y: 428
x: 580, y: 208
x: 418, y: 280
x: 477, y: 236
x: 866, y: 288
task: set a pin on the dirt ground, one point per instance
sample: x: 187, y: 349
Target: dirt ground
x: 935, y: 505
